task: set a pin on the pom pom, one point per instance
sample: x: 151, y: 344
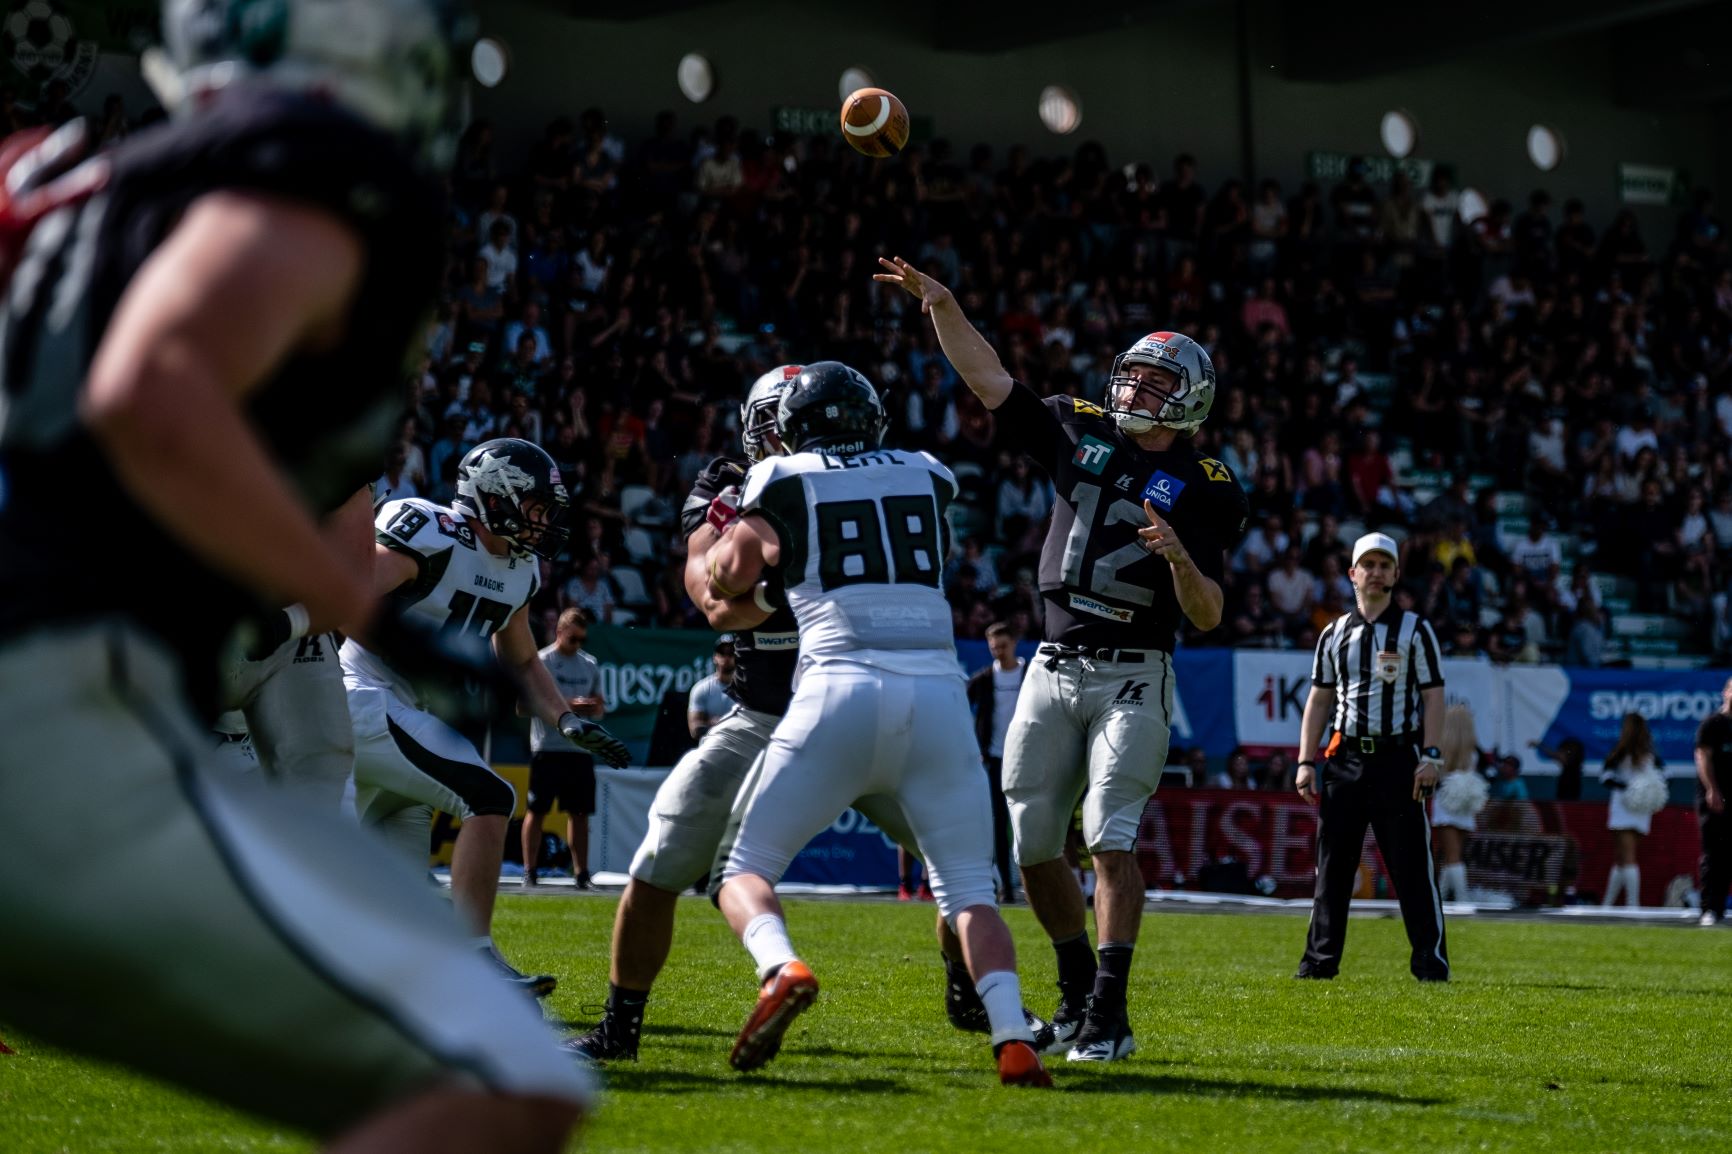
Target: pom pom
x: 1646, y: 793
x: 1462, y: 795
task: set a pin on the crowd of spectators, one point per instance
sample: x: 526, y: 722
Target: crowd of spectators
x: 1383, y: 362
x: 612, y: 302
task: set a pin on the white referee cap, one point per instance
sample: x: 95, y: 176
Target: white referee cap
x: 1376, y: 543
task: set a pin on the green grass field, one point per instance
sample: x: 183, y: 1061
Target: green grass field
x: 1552, y: 1037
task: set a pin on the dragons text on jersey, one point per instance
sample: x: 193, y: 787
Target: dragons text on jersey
x: 1102, y: 588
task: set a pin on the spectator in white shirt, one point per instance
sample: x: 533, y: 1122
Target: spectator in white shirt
x: 496, y: 214
x: 1635, y: 437
x: 531, y: 324
x: 1262, y: 545
x: 501, y: 258
x: 1442, y: 204
x: 1292, y: 591
x: 591, y: 590
x: 1536, y: 553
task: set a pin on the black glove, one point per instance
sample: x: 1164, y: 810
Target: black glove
x: 595, y: 739
x: 719, y: 474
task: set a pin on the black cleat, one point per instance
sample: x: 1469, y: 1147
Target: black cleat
x: 1066, y: 1022
x: 962, y: 1004
x: 1105, y: 1035
x: 611, y: 1041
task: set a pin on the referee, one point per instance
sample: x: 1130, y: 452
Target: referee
x: 1375, y: 681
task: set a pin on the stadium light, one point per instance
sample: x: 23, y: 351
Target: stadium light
x: 1060, y: 110
x: 1545, y: 147
x: 489, y: 61
x: 853, y: 80
x: 697, y: 79
x: 1399, y: 132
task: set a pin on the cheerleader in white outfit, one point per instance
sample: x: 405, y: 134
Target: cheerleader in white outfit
x: 1460, y: 796
x: 1630, y: 775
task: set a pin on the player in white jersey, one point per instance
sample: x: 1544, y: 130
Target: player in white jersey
x: 856, y: 535
x: 469, y: 571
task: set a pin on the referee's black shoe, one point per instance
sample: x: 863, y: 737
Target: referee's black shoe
x: 1105, y: 1035
x: 1314, y: 975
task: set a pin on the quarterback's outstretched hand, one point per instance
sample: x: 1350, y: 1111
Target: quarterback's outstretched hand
x: 1160, y: 539
x: 920, y: 286
x: 593, y: 738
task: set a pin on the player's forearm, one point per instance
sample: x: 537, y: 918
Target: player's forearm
x: 697, y: 575
x: 539, y: 692
x: 210, y: 484
x: 1433, y: 703
x: 1200, y: 597
x: 1318, y: 703
x: 349, y: 530
x: 969, y: 353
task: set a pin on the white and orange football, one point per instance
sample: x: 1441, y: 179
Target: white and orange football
x: 875, y: 123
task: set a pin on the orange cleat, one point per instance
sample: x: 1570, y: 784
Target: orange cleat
x: 1019, y: 1065
x: 783, y: 998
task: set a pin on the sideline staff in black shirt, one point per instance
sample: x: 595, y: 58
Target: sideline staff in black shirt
x: 1714, y: 771
x: 1376, y: 680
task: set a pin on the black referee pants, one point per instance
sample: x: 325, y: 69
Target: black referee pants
x: 1716, y: 858
x: 1376, y: 790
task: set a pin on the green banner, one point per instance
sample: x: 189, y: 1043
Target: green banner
x: 640, y: 666
x: 1330, y: 168
x: 43, y: 40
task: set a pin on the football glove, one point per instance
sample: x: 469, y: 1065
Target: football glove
x: 718, y: 475
x: 724, y: 509
x: 595, y: 739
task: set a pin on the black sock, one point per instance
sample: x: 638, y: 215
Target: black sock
x: 1076, y: 966
x: 957, y: 972
x: 1114, y: 975
x: 626, y: 1005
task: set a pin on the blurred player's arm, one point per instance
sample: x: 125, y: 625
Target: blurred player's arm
x: 242, y: 283
x: 962, y: 343
x: 731, y: 594
x: 514, y: 648
x: 1319, y: 704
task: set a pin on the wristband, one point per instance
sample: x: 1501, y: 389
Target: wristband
x: 1431, y: 753
x: 760, y: 598
x: 721, y: 591
x: 299, y: 620
x: 1306, y: 762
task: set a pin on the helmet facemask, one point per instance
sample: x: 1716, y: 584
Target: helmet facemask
x: 533, y: 524
x: 1129, y: 394
x: 760, y: 436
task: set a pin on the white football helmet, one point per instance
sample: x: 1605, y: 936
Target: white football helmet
x: 395, y: 64
x: 758, y: 415
x: 1185, y: 406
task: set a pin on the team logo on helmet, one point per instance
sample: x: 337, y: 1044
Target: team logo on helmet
x: 497, y: 475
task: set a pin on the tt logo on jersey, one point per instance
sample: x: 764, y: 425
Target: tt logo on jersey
x: 1091, y: 455
x: 1214, y: 470
x: 1131, y: 692
x: 1162, y: 490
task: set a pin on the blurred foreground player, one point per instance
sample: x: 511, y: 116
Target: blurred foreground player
x: 204, y: 331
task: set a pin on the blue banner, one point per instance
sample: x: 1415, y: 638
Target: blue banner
x: 850, y: 851
x: 1673, y: 701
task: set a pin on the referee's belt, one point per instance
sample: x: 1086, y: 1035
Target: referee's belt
x: 1059, y: 652
x: 1339, y: 744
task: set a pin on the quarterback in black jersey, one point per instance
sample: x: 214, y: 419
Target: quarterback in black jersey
x: 1139, y: 530
x: 203, y: 331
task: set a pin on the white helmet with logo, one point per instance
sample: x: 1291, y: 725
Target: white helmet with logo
x: 758, y: 414
x: 1184, y: 406
x: 394, y: 64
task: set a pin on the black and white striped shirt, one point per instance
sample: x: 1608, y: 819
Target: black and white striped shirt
x: 1377, y: 669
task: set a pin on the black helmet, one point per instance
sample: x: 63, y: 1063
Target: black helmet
x: 830, y: 408
x: 513, y: 488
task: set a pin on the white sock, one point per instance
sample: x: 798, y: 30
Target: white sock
x: 1632, y: 885
x: 1614, y: 883
x: 1001, y: 994
x: 1455, y: 881
x: 766, y: 937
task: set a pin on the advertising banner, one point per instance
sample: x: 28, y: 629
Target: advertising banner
x: 1590, y: 704
x: 638, y: 666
